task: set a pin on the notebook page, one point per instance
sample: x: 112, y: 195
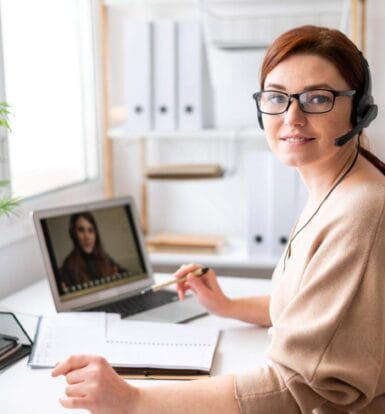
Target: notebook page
x: 65, y: 334
x: 160, y: 345
x: 123, y: 343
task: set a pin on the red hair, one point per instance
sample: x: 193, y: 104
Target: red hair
x: 331, y: 45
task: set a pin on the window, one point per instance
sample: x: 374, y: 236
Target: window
x: 49, y: 81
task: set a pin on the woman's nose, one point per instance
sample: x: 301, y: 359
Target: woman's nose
x: 294, y: 116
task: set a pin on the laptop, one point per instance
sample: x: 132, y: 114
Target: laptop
x: 95, y: 258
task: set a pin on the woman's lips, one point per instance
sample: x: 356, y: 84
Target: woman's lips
x: 296, y: 140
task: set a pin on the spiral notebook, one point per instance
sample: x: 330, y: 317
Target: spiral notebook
x: 135, y: 349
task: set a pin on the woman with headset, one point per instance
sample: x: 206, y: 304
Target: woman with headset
x: 327, y: 306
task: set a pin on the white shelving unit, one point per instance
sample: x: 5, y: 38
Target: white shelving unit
x: 235, y: 258
x: 253, y: 136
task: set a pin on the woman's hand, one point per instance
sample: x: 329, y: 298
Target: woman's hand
x: 93, y: 385
x: 206, y: 288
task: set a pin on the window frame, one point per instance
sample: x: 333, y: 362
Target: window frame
x: 19, y: 225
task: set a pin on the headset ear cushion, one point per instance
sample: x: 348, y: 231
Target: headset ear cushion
x: 260, y: 121
x: 363, y: 106
x: 364, y: 101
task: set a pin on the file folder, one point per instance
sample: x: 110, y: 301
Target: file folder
x: 276, y: 197
x: 137, y: 73
x: 164, y: 73
x: 190, y: 55
x: 284, y: 186
x: 258, y: 176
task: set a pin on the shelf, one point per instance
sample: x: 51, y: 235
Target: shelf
x: 234, y: 255
x: 253, y: 135
x: 147, y: 3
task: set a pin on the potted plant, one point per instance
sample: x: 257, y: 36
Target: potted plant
x: 7, y: 203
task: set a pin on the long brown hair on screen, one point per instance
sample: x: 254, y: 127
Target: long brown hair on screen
x: 331, y: 45
x: 75, y: 261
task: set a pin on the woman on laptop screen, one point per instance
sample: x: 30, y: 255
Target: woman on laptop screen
x: 88, y: 263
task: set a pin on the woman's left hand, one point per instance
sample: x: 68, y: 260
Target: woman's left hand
x: 93, y: 385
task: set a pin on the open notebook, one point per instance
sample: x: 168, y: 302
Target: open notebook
x: 133, y: 348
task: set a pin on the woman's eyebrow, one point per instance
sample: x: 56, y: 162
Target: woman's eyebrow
x: 306, y: 88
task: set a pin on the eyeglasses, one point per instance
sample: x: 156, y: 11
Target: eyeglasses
x: 317, y: 101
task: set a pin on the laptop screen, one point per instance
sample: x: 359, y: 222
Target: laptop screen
x: 93, y: 250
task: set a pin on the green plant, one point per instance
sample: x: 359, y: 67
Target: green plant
x: 4, y: 114
x: 7, y: 203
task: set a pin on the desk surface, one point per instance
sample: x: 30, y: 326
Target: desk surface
x: 24, y: 390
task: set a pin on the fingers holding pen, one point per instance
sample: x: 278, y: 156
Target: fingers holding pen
x: 208, y: 291
x: 185, y: 273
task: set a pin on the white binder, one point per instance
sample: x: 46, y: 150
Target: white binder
x: 258, y: 174
x: 137, y: 73
x: 190, y: 55
x: 164, y: 72
x: 284, y: 191
x: 276, y: 197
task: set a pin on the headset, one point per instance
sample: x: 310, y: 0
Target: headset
x: 365, y: 110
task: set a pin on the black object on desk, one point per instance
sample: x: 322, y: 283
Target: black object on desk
x: 14, y: 340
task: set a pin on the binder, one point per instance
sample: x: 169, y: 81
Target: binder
x: 276, y: 197
x: 301, y: 196
x: 137, y: 73
x: 284, y: 190
x: 258, y: 171
x: 164, y: 74
x: 190, y: 56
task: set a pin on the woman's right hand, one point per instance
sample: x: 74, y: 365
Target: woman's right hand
x: 205, y: 287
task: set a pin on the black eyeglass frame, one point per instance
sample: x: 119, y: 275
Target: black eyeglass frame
x: 257, y: 95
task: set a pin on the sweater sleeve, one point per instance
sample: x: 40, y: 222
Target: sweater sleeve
x: 328, y: 342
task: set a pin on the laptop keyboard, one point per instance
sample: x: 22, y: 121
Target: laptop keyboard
x: 139, y: 303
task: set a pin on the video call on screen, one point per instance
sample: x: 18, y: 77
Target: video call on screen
x: 92, y: 251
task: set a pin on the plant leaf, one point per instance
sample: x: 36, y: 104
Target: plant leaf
x: 4, y: 114
x: 7, y: 205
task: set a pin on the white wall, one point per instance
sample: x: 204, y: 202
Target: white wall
x: 21, y: 262
x: 376, y: 57
x: 20, y: 265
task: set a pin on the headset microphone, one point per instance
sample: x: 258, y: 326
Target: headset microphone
x: 371, y: 113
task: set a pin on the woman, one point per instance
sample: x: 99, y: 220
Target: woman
x: 327, y: 308
x: 87, y: 262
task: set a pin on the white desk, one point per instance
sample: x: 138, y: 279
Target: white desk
x: 24, y: 390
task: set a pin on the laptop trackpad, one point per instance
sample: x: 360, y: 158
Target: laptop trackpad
x: 178, y: 311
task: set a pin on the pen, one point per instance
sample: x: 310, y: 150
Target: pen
x: 197, y: 272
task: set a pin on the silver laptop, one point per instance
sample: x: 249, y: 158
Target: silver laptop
x: 95, y: 258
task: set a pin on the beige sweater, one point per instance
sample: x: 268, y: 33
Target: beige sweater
x: 328, y: 315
